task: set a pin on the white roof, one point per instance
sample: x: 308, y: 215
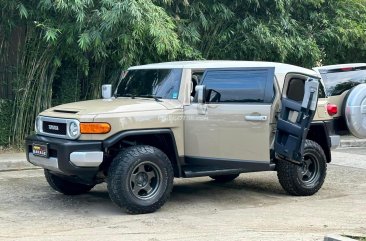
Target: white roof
x: 339, y: 66
x: 280, y: 68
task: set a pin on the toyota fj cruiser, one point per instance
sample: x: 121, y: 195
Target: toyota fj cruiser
x: 187, y: 119
x: 345, y: 87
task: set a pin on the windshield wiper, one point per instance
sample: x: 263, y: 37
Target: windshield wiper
x: 125, y: 95
x: 157, y: 98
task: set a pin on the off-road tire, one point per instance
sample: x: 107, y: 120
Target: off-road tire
x: 65, y: 186
x: 289, y: 173
x: 122, y: 176
x: 224, y: 178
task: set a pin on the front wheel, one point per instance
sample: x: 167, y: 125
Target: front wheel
x: 140, y: 179
x: 305, y: 179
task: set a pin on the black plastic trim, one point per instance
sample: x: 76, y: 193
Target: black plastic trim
x: 340, y: 126
x: 61, y: 149
x: 121, y: 135
x: 328, y: 127
x: 202, y: 166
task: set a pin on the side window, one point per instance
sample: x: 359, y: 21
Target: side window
x: 239, y: 85
x: 295, y: 89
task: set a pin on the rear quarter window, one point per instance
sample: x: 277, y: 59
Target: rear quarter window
x: 337, y: 81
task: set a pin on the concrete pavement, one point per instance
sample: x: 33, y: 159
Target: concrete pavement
x: 252, y: 207
x: 350, y: 157
x: 351, y: 141
x: 14, y: 162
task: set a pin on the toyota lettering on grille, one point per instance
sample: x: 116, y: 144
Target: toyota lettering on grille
x: 53, y: 127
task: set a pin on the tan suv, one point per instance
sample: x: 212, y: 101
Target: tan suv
x: 187, y: 119
x: 345, y: 88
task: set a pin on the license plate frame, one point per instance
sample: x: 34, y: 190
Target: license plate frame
x: 40, y: 150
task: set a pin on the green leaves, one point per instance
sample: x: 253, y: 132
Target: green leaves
x: 300, y: 32
x: 51, y: 34
x: 84, y: 41
x: 141, y: 31
x: 23, y: 12
x: 95, y: 39
x: 127, y: 32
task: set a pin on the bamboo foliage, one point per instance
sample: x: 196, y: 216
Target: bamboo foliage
x: 95, y: 40
x: 96, y: 36
x: 33, y: 84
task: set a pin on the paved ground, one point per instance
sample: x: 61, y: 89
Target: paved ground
x: 357, y: 151
x: 253, y: 207
x: 350, y: 157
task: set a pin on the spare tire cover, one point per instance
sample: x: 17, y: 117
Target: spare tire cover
x: 355, y: 111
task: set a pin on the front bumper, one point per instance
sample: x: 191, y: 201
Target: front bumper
x: 67, y: 157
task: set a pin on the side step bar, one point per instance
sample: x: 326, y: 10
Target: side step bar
x: 201, y: 171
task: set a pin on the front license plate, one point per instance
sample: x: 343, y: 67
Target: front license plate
x: 40, y: 150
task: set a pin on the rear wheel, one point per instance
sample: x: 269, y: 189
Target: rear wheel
x: 65, y: 186
x: 305, y: 179
x: 225, y: 178
x: 140, y: 179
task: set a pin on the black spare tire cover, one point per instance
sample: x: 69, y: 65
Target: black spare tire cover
x: 355, y: 111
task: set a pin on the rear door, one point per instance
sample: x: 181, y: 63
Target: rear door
x: 298, y: 106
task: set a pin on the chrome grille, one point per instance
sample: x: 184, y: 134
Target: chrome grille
x: 56, y: 127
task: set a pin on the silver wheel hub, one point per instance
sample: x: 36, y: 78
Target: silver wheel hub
x: 141, y: 179
x: 305, y: 168
x: 145, y: 180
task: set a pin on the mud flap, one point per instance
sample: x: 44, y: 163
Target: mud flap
x: 294, y: 122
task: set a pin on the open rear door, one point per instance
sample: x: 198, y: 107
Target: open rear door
x: 299, y: 101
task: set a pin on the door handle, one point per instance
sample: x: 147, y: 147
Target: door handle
x: 256, y: 117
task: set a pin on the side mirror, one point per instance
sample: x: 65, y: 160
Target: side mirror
x: 106, y: 91
x: 201, y: 94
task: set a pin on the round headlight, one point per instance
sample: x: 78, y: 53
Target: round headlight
x: 73, y: 129
x: 38, y: 124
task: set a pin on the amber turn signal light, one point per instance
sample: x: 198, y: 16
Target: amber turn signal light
x: 94, y: 128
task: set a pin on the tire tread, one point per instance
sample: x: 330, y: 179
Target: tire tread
x: 117, y: 170
x: 285, y: 173
x: 64, y: 186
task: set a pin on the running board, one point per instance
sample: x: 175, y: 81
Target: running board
x: 199, y: 167
x: 200, y: 172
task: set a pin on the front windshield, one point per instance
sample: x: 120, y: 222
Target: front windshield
x: 337, y: 81
x: 154, y: 83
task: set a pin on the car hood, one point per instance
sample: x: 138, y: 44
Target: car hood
x: 115, y: 105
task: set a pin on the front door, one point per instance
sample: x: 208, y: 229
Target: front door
x: 234, y: 123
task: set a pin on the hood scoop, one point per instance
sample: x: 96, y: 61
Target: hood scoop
x: 66, y: 111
